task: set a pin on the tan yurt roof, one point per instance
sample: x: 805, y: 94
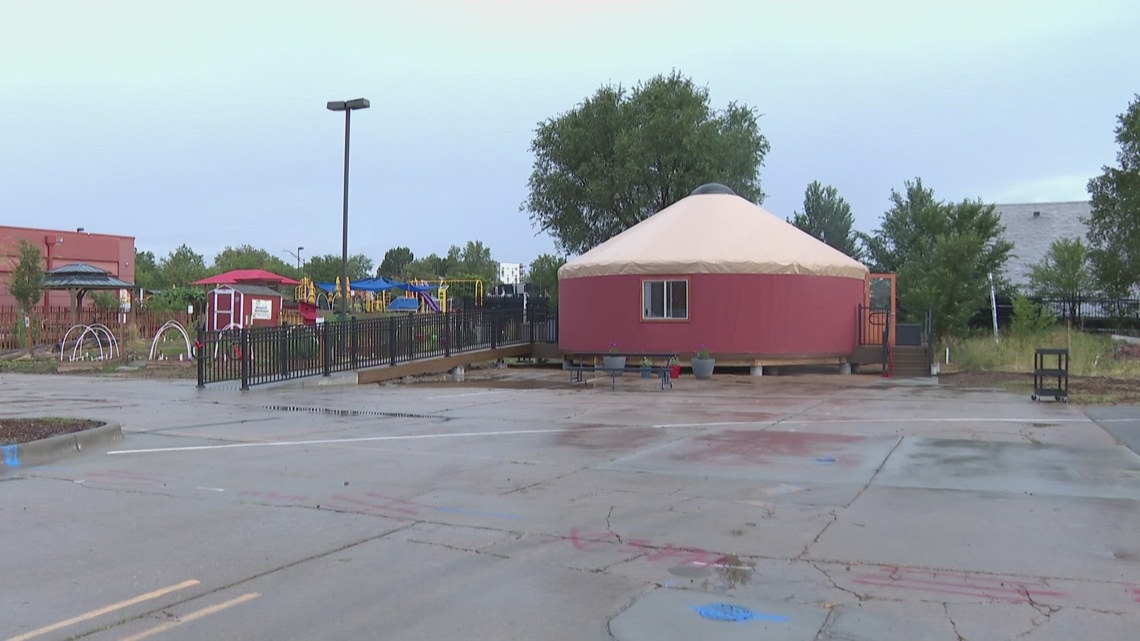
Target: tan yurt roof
x: 714, y: 232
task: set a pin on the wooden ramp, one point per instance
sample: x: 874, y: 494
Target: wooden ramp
x: 439, y: 365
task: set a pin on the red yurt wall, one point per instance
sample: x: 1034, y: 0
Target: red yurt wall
x: 743, y: 315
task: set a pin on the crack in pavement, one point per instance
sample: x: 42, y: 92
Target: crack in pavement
x: 861, y: 597
x: 875, y: 474
x: 1044, y: 611
x: 610, y: 527
x: 834, y: 518
x: 953, y: 625
x: 233, y: 584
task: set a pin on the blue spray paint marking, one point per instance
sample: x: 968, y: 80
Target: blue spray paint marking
x: 11, y: 455
x: 460, y: 510
x: 825, y: 460
x: 735, y: 613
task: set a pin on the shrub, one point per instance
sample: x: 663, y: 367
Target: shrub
x: 1029, y: 318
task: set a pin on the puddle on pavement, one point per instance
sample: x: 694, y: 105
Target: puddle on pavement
x: 732, y: 571
x: 725, y: 573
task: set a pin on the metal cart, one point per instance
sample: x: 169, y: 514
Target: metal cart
x: 1051, y: 373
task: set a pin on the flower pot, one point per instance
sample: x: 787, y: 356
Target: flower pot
x: 645, y: 371
x: 674, y: 371
x: 614, y: 364
x: 703, y: 367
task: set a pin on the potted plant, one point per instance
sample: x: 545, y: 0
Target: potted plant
x: 612, y: 361
x: 674, y: 367
x: 646, y: 367
x: 703, y: 363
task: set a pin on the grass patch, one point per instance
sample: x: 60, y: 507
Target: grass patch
x: 1089, y: 354
x: 28, y: 366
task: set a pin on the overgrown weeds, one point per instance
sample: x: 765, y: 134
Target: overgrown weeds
x: 1089, y: 354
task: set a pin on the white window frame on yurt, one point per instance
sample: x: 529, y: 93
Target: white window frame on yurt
x: 668, y: 310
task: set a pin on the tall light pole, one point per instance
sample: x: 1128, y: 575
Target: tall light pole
x: 296, y: 255
x: 347, y: 106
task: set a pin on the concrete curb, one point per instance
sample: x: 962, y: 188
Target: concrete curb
x: 56, y: 447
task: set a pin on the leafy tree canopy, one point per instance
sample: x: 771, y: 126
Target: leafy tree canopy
x: 396, y: 260
x: 622, y: 155
x: 1063, y: 273
x: 544, y: 276
x: 943, y: 254
x: 475, y: 260
x: 827, y: 216
x: 327, y: 268
x: 147, y: 273
x: 27, y: 278
x: 250, y: 257
x: 182, y: 267
x: 1114, y: 220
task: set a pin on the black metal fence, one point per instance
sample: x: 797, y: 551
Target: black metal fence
x: 262, y: 355
x: 1089, y: 312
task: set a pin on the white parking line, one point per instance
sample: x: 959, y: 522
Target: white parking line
x: 197, y: 614
x: 417, y: 437
x: 432, y: 398
x: 368, y: 439
x: 94, y: 614
x: 833, y: 421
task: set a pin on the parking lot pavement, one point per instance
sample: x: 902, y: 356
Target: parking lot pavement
x: 796, y: 508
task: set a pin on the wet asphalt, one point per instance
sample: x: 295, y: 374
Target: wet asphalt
x: 795, y: 507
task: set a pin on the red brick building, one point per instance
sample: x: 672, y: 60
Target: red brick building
x: 116, y: 254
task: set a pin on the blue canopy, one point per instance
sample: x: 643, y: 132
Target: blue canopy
x: 404, y: 304
x: 378, y: 284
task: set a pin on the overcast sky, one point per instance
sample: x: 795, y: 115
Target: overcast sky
x: 204, y: 123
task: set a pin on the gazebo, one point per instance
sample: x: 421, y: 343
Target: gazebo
x: 78, y: 279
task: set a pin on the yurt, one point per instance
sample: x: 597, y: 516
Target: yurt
x: 714, y: 271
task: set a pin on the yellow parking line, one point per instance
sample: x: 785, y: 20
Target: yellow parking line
x: 87, y: 616
x: 197, y: 614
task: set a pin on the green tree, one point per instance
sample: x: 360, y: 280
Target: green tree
x: 395, y: 262
x: 1114, y: 220
x: 943, y: 254
x: 177, y: 299
x: 1064, y: 273
x: 827, y: 216
x: 475, y: 261
x: 250, y: 257
x: 147, y: 273
x: 182, y: 267
x: 622, y: 155
x: 544, y: 276
x: 105, y: 301
x: 26, y: 282
x: 423, y: 268
x: 327, y: 268
x: 27, y: 278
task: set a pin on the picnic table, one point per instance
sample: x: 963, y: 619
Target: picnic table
x: 579, y: 363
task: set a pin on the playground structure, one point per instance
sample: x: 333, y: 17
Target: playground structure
x: 98, y: 332
x: 160, y: 334
x: 380, y: 295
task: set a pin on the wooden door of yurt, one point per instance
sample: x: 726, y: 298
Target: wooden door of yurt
x: 879, y: 309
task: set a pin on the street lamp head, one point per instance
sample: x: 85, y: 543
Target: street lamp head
x: 347, y: 105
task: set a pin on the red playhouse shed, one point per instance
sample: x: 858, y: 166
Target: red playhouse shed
x: 713, y: 270
x: 241, y: 306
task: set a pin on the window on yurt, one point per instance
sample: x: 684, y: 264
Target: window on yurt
x: 665, y: 299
